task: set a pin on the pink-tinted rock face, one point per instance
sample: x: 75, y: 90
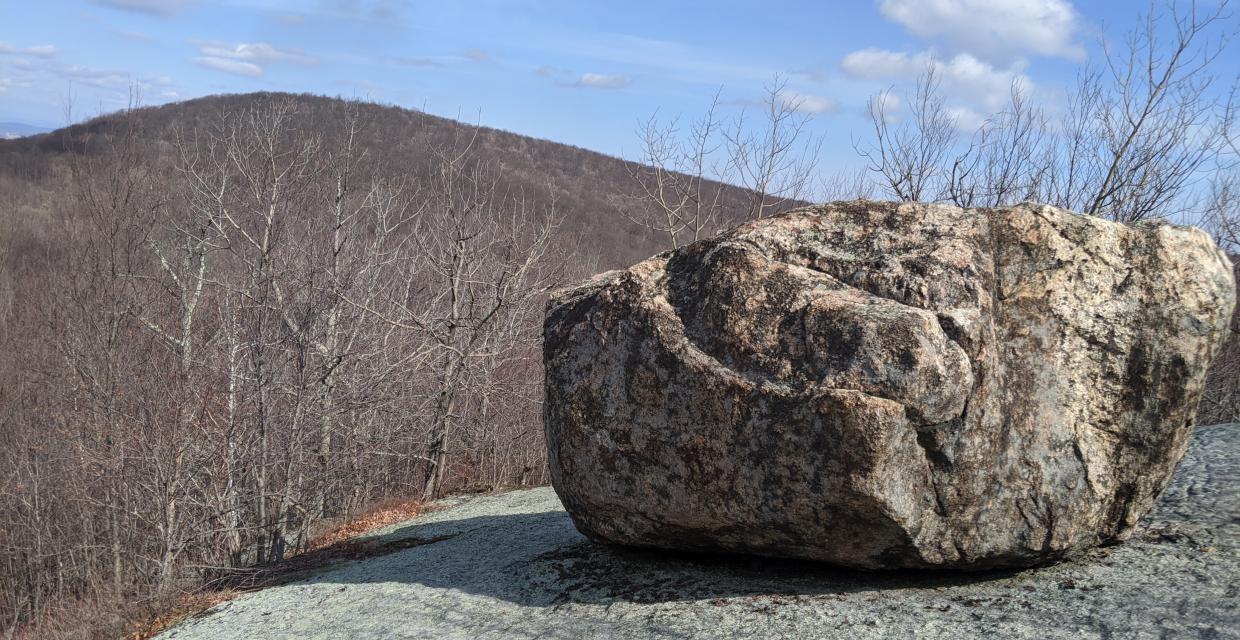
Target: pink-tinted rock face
x: 885, y: 385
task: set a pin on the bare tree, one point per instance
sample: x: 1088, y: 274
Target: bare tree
x: 683, y: 176
x: 1158, y: 124
x: 909, y: 155
x: 1007, y: 159
x: 680, y: 196
x: 776, y: 162
x: 476, y: 266
x: 1135, y: 137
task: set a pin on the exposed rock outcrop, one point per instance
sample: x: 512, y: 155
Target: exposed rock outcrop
x: 885, y: 385
x: 512, y: 567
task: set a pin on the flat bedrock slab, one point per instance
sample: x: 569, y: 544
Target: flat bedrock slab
x: 512, y: 566
x: 882, y: 385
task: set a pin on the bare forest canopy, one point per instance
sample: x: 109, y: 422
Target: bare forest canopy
x: 234, y: 318
x: 597, y: 189
x: 231, y: 321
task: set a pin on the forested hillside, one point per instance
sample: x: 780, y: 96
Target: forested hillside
x: 233, y: 318
x: 392, y: 141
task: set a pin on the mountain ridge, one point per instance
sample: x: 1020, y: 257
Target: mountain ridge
x: 592, y: 189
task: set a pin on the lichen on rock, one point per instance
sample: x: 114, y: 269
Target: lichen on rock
x: 884, y: 385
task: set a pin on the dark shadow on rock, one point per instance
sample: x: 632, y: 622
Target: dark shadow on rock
x: 540, y: 559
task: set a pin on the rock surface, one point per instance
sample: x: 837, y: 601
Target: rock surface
x: 513, y: 566
x: 883, y: 385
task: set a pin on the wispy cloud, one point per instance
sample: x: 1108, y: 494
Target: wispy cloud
x: 238, y: 67
x: 38, y: 50
x: 548, y: 71
x: 162, y: 8
x: 815, y: 74
x: 468, y: 56
x: 422, y: 62
x: 10, y: 83
x: 655, y: 57
x: 42, y: 50
x: 876, y: 63
x: 476, y: 55
x: 136, y: 36
x: 257, y: 52
x: 378, y: 11
x: 112, y: 79
x: 603, y: 81
x: 588, y: 80
x: 248, y: 58
x: 807, y: 104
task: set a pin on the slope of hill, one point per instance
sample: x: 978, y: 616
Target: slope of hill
x: 590, y: 189
x: 356, y: 294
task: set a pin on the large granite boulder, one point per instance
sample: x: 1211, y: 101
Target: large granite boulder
x: 885, y: 385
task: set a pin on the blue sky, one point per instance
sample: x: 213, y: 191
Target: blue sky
x: 574, y: 71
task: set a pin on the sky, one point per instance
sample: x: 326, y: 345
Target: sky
x: 582, y: 72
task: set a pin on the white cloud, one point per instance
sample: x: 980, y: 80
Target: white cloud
x: 238, y: 67
x: 807, y: 104
x: 248, y: 58
x: 963, y: 75
x: 152, y: 7
x: 603, y: 81
x: 967, y: 119
x: 889, y: 102
x: 999, y: 30
x: 873, y: 63
x: 38, y: 50
x: 256, y: 52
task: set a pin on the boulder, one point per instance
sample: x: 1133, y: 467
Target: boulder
x: 882, y: 385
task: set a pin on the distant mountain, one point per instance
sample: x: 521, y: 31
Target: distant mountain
x: 11, y: 130
x: 591, y: 190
